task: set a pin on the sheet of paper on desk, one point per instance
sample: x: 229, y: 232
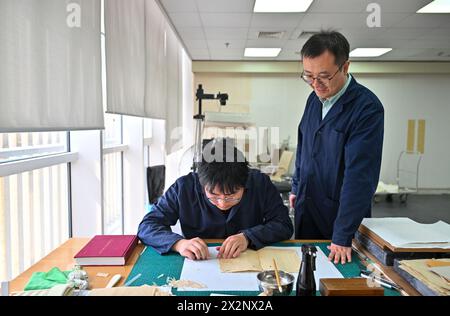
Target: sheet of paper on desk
x: 403, y: 232
x: 208, y: 273
x: 442, y: 271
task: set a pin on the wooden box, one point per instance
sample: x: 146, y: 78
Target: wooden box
x: 348, y: 287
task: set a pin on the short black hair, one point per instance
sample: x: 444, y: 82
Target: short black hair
x: 333, y: 41
x: 222, y: 166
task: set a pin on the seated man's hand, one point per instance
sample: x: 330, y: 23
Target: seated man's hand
x: 232, y: 246
x: 340, y: 253
x: 194, y: 249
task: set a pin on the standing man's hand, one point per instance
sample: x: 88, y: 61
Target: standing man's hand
x: 232, y: 246
x: 194, y: 249
x: 292, y: 198
x: 340, y: 253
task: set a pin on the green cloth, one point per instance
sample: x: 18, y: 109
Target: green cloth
x: 46, y: 280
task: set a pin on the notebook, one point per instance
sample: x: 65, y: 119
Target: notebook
x: 106, y: 250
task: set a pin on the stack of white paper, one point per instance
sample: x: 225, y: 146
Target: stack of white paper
x: 402, y: 232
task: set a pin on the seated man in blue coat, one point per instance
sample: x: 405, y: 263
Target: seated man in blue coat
x: 225, y: 199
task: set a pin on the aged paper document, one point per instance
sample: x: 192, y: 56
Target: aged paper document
x: 420, y: 270
x: 287, y: 259
x: 250, y: 260
x: 247, y: 261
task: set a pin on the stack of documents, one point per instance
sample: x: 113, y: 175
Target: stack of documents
x: 432, y: 273
x: 402, y: 232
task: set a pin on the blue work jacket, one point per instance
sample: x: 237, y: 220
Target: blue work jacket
x: 338, y: 163
x: 260, y: 215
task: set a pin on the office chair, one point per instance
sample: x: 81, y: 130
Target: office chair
x: 156, y: 177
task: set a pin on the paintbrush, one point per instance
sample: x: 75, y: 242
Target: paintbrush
x: 277, y: 276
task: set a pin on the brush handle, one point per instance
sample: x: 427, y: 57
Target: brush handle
x: 277, y: 276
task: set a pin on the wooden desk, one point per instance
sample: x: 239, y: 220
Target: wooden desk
x: 62, y: 257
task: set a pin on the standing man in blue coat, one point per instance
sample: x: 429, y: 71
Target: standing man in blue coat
x: 340, y: 141
x: 224, y: 199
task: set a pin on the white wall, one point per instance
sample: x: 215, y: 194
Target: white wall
x: 279, y: 100
x: 415, y: 97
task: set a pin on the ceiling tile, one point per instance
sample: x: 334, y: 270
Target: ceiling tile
x: 199, y: 51
x: 226, y: 33
x: 220, y: 44
x: 319, y: 21
x: 399, y: 43
x: 395, y: 6
x: 181, y: 20
x: 228, y: 6
x: 430, y: 54
x: 384, y: 33
x: 346, y: 20
x: 225, y: 19
x: 295, y: 45
x: 199, y: 54
x: 324, y: 6
x: 439, y: 33
x: 172, y: 6
x: 276, y: 20
x: 191, y: 33
x: 391, y: 19
x: 227, y: 54
x: 288, y: 54
x: 206, y: 25
x: 253, y: 32
x: 196, y: 44
x: 424, y: 20
x: 266, y: 42
x: 402, y: 52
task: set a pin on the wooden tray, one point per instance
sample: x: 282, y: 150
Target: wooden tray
x: 385, y: 245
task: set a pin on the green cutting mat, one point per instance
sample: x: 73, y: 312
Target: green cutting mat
x: 155, y: 269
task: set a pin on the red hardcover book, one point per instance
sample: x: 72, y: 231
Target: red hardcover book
x: 107, y: 250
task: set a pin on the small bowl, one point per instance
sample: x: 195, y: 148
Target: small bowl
x: 267, y: 282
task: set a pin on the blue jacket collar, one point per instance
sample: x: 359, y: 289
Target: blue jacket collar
x: 345, y: 99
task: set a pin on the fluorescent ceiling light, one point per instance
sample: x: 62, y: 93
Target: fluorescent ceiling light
x: 437, y: 6
x: 262, y: 52
x: 282, y: 6
x: 369, y: 52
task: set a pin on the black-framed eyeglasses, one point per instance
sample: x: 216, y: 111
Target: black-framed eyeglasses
x: 226, y: 200
x: 322, y: 80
